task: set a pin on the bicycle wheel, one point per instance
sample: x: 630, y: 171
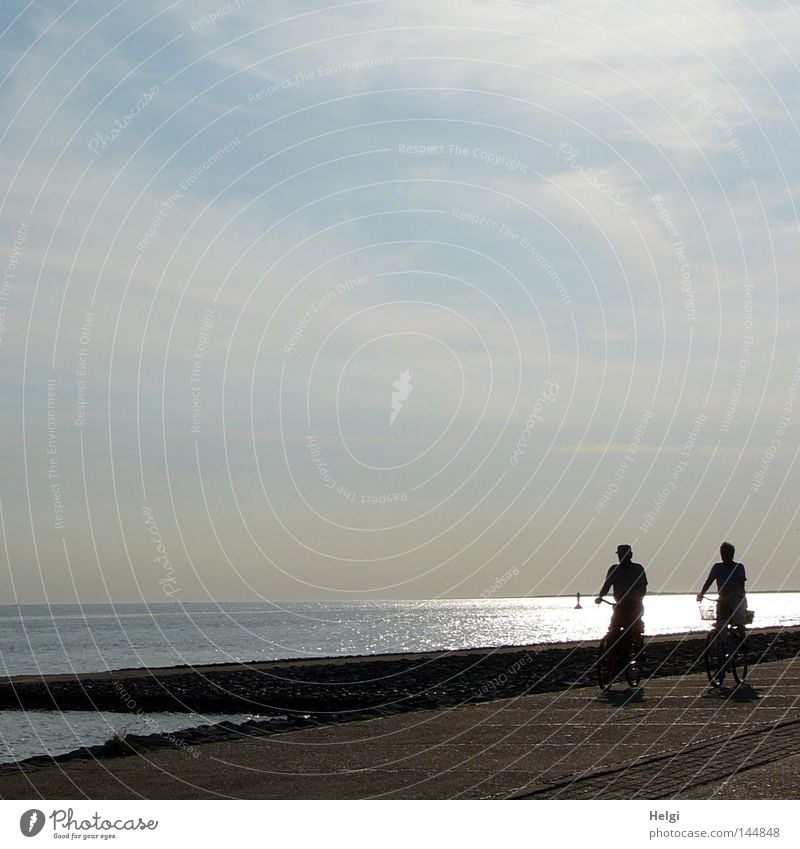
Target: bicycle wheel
x: 715, y: 658
x: 635, y: 656
x: 605, y: 669
x: 738, y: 663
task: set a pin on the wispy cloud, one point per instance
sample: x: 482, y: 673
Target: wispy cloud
x: 605, y: 197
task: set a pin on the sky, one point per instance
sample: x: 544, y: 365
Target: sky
x: 377, y: 299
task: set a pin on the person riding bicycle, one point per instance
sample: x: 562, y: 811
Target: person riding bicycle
x: 731, y: 600
x: 629, y: 583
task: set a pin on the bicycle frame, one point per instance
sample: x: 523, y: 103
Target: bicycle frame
x: 620, y: 651
x: 725, y: 653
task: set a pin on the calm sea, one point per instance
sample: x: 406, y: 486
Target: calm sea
x: 71, y: 638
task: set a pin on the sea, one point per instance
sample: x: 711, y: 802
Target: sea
x: 52, y: 639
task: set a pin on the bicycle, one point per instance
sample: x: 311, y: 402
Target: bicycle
x: 620, y: 653
x: 725, y: 650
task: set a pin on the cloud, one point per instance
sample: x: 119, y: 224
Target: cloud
x: 527, y: 246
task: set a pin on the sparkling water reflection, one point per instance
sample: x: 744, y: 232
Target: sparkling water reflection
x: 65, y: 638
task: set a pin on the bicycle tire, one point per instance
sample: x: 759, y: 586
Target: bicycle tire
x: 739, y: 662
x: 604, y: 665
x: 635, y: 665
x: 714, y: 658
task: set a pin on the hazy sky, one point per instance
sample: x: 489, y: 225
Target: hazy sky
x: 396, y: 299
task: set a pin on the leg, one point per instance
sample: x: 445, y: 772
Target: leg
x: 714, y: 658
x: 604, y: 665
x: 629, y: 642
x: 615, y: 629
x: 638, y: 634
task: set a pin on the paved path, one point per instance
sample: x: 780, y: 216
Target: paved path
x: 673, y: 739
x: 672, y: 773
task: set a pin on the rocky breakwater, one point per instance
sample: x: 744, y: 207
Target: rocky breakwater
x: 376, y: 685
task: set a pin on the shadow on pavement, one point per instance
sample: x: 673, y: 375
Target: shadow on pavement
x: 740, y: 693
x: 620, y: 698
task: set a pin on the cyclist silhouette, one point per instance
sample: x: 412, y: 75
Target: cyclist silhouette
x: 629, y: 583
x: 731, y: 600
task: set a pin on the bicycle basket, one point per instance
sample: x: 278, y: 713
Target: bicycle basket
x: 708, y: 611
x: 750, y: 616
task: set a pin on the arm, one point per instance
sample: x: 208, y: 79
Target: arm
x: 709, y: 580
x: 606, y: 585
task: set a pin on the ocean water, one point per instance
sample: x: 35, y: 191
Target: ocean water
x: 24, y: 734
x: 90, y: 638
x: 71, y: 638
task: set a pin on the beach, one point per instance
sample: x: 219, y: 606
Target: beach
x: 499, y: 723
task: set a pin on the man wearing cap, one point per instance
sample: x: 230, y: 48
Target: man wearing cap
x: 629, y: 583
